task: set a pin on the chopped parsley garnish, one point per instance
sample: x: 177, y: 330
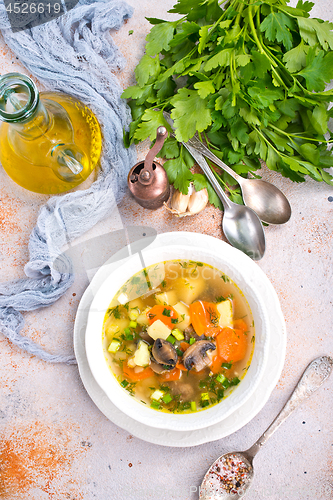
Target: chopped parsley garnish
x: 220, y: 299
x: 192, y: 340
x: 124, y: 383
x: 166, y: 312
x: 164, y: 283
x: 174, y: 321
x: 115, y: 312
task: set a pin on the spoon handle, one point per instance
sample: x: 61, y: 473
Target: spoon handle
x: 200, y: 160
x: 313, y: 377
x: 201, y: 148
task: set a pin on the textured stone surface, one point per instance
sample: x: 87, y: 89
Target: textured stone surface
x: 55, y: 444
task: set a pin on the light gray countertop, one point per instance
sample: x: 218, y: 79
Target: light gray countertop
x: 54, y: 442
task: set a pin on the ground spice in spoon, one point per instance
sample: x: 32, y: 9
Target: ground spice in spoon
x: 227, y: 477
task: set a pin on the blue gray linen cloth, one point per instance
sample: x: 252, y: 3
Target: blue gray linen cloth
x: 74, y: 54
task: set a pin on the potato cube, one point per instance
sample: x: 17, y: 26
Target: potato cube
x: 114, y: 326
x: 136, y: 303
x: 158, y: 330
x: 226, y: 315
x: 142, y: 354
x: 190, y: 288
x: 166, y: 298
x: 142, y: 319
x: 182, y: 311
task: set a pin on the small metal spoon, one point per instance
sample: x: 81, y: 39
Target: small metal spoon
x: 240, y: 224
x: 268, y: 202
x: 231, y: 474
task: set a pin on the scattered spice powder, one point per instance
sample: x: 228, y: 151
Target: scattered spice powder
x: 36, y: 456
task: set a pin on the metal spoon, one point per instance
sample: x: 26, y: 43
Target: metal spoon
x: 268, y: 202
x: 231, y: 474
x: 240, y: 224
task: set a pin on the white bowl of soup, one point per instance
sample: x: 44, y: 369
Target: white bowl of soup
x: 177, y: 337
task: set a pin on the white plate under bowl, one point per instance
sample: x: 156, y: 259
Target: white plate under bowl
x: 223, y: 258
x: 238, y: 418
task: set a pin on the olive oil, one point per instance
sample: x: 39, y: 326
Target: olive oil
x: 54, y: 148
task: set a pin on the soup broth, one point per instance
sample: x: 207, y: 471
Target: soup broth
x: 179, y: 335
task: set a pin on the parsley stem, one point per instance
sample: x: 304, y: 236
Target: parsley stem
x: 298, y: 136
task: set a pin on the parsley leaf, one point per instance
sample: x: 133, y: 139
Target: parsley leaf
x: 147, y: 67
x: 159, y: 37
x: 318, y: 71
x: 277, y: 27
x: 190, y: 114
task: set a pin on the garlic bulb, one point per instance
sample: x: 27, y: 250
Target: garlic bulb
x: 188, y: 204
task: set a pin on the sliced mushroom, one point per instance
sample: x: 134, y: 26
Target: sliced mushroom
x: 189, y: 332
x: 156, y: 367
x: 195, y: 356
x: 147, y: 338
x: 164, y: 353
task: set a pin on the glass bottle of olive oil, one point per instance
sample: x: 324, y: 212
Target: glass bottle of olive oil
x: 49, y: 142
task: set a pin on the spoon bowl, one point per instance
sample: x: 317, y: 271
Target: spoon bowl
x: 265, y: 199
x: 243, y: 230
x: 232, y: 473
x: 240, y: 224
x: 268, y: 202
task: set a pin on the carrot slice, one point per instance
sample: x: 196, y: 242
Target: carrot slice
x: 239, y: 324
x: 204, y: 318
x: 134, y: 376
x: 184, y: 346
x: 216, y: 365
x: 163, y: 313
x: 231, y: 344
x: 174, y: 374
x: 180, y: 366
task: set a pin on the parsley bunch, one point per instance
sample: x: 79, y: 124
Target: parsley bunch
x: 249, y: 78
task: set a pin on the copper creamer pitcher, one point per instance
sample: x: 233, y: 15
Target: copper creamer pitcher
x: 49, y: 142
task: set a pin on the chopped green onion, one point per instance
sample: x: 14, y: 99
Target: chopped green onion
x: 221, y: 378
x: 192, y: 340
x: 124, y: 383
x: 234, y: 381
x: 133, y: 324
x: 127, y: 331
x: 155, y: 404
x: 205, y: 396
x: 226, y: 383
x: 171, y: 339
x: 227, y: 366
x: 177, y: 334
x: 179, y: 352
x: 167, y: 398
x: 193, y: 406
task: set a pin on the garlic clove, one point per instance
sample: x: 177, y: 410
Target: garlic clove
x: 198, y: 201
x: 180, y: 201
x: 191, y: 203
